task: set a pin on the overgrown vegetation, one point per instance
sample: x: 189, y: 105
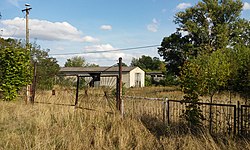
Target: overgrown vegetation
x: 46, y: 68
x: 15, y: 69
x: 48, y: 126
x: 209, y: 52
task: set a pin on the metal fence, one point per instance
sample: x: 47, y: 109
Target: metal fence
x: 244, y: 127
x: 139, y: 106
x: 218, y: 118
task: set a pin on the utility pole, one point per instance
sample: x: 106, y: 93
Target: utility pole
x: 27, y: 9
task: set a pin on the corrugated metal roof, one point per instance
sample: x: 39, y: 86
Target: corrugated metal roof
x: 95, y: 69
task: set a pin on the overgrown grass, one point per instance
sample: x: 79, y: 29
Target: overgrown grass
x: 48, y: 126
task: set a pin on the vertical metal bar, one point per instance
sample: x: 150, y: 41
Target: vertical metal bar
x: 165, y: 110
x: 77, y: 90
x: 168, y: 112
x: 241, y: 120
x: 234, y: 120
x: 246, y: 121
x: 117, y: 92
x: 238, y: 117
x: 120, y: 87
x: 216, y: 125
x: 210, y: 117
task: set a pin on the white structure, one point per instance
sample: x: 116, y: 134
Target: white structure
x: 105, y: 76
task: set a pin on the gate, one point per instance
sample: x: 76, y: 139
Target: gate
x: 245, y: 120
x: 218, y: 118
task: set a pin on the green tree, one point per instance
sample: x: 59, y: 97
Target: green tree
x: 240, y: 82
x: 91, y: 65
x: 148, y: 63
x: 204, y: 28
x: 47, y: 68
x: 14, y: 68
x: 76, y: 61
x: 205, y: 75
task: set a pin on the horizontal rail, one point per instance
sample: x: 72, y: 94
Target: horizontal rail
x: 202, y: 103
x: 145, y: 98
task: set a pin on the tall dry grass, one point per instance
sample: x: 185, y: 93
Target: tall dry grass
x: 49, y: 126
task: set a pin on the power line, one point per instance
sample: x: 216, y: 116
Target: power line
x: 106, y: 51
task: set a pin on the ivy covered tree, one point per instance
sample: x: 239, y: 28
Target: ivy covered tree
x: 15, y: 70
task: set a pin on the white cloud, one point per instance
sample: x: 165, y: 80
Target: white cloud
x: 99, y: 56
x: 102, y: 47
x: 183, y: 5
x: 44, y: 30
x: 153, y: 27
x: 246, y: 6
x: 106, y: 27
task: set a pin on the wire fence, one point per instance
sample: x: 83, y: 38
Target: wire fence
x: 218, y: 118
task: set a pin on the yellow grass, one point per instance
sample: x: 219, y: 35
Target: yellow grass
x: 49, y: 126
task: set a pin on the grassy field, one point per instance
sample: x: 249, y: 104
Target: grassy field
x: 49, y: 126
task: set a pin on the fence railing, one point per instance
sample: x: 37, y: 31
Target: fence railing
x: 218, y: 118
x: 244, y: 120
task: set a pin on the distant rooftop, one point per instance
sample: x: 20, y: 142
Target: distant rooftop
x: 95, y: 69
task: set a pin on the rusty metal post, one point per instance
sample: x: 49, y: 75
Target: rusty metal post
x: 120, y: 101
x: 165, y: 102
x: 117, y: 92
x: 77, y: 90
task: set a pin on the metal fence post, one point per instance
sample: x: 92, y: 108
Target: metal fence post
x: 238, y: 117
x: 234, y: 120
x: 241, y: 120
x: 77, y: 90
x: 168, y: 113
x: 165, y: 110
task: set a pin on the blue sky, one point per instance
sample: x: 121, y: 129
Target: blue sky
x: 82, y: 26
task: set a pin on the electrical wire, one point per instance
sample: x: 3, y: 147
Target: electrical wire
x: 106, y: 51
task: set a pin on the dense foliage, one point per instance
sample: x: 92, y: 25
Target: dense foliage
x: 206, y: 27
x: 46, y: 68
x: 209, y: 51
x: 15, y: 70
x: 148, y: 63
x: 78, y: 61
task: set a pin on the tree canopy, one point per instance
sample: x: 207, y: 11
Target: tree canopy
x: 209, y: 52
x: 208, y: 26
x: 148, y: 63
x: 47, y: 67
x: 76, y: 61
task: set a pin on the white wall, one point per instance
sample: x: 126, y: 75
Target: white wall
x: 133, y: 79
